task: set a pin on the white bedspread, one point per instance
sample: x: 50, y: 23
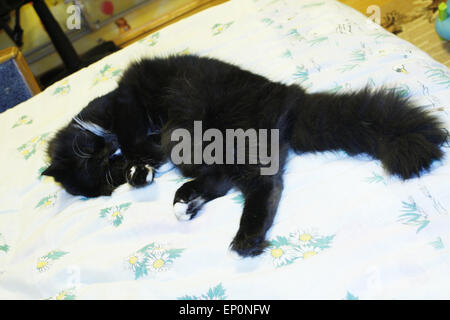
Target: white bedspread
x: 344, y: 229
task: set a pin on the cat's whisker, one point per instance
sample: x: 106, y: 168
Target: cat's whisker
x: 110, y: 176
x: 76, y: 149
x: 107, y: 176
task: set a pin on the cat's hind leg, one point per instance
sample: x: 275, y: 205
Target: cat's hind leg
x: 262, y: 196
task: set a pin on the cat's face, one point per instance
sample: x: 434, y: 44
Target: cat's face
x: 86, y: 163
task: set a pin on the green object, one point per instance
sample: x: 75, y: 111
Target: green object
x: 443, y: 11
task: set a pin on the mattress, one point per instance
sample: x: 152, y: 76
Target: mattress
x: 344, y: 229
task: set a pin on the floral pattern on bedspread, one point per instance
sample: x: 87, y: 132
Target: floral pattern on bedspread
x: 344, y: 229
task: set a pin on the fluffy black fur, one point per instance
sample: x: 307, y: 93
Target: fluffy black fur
x: 156, y: 96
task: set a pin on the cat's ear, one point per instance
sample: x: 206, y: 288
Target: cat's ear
x: 51, y: 171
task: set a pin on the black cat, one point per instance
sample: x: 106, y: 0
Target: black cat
x: 126, y: 134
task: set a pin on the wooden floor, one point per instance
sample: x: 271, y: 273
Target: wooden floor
x: 412, y: 20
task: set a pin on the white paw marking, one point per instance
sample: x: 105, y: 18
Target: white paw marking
x: 180, y: 209
x: 149, y: 174
x: 234, y: 255
x: 132, y: 171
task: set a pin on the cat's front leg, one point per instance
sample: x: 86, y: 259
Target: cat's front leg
x: 262, y: 197
x: 191, y: 196
x: 139, y: 175
x: 143, y: 158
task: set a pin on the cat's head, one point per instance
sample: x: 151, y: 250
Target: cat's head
x: 86, y: 159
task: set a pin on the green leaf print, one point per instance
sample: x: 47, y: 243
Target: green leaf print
x: 3, y: 246
x: 151, y: 40
x: 322, y: 242
x: 301, y: 75
x: 413, y: 215
x: 267, y: 21
x: 48, y: 201
x: 438, y: 76
x: 376, y: 178
x: 317, y: 4
x: 31, y: 146
x: 402, y: 90
x: 23, y: 120
x: 108, y: 72
x: 44, y: 263
x: 215, y: 293
x: 287, y: 54
x: 239, y: 198
x: 350, y: 296
x: 219, y: 28
x: 115, y: 214
x: 317, y: 40
x: 437, y: 244
x: 68, y: 294
x: 295, y: 34
x: 54, y: 255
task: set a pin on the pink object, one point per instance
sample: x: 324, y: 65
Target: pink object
x: 107, y: 7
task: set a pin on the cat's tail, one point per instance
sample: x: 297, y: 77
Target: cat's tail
x: 407, y: 139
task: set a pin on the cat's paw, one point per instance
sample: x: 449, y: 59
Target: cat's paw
x: 187, y: 201
x: 185, y: 211
x: 248, y: 246
x: 140, y: 175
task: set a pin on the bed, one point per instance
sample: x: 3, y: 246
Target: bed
x: 344, y: 228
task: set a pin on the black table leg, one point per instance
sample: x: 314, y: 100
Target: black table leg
x: 62, y: 44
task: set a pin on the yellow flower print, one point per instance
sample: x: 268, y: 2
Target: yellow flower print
x: 22, y: 121
x: 67, y: 294
x: 30, y: 147
x: 282, y: 255
x: 218, y: 28
x: 115, y: 215
x: 150, y: 40
x: 152, y: 258
x: 42, y: 264
x: 303, y: 237
x: 309, y: 254
x: 400, y: 69
x: 158, y: 261
x: 107, y: 73
x: 134, y: 261
x: 47, y: 201
x: 277, y: 253
x: 61, y: 296
x: 301, y: 244
x: 63, y: 88
x: 184, y: 52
